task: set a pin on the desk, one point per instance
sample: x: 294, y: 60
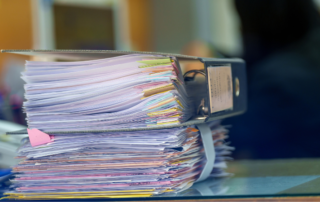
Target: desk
x: 283, y: 180
x: 254, y: 180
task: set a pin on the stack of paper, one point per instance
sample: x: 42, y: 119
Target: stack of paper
x: 115, y: 164
x: 121, y: 92
x: 73, y: 98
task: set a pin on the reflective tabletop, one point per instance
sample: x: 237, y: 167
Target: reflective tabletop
x: 262, y: 178
x: 281, y: 178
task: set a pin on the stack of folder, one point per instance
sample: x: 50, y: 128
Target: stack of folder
x: 115, y: 164
x: 123, y: 94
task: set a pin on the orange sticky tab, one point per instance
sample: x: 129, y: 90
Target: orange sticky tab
x: 37, y: 137
x: 192, y: 130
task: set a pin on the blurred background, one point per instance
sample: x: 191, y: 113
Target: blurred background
x: 279, y: 39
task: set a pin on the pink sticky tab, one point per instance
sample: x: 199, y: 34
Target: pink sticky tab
x: 37, y: 137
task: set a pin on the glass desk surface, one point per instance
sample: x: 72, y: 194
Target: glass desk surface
x: 253, y: 179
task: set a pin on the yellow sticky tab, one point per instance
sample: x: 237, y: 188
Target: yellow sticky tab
x: 180, y: 161
x: 169, y: 190
x: 178, y: 101
x: 164, y: 60
x: 155, y: 64
x: 172, y: 122
x: 158, y: 87
x: 166, y: 111
x: 144, y: 97
x: 75, y: 197
x: 83, y: 192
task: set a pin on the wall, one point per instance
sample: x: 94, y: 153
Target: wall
x: 15, y: 28
x: 225, y: 27
x: 178, y: 22
x: 174, y: 24
x: 140, y: 24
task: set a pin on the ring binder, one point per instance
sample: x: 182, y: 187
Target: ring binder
x: 237, y: 67
x: 76, y: 112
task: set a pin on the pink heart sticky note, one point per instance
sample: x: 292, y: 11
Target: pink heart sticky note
x: 37, y: 137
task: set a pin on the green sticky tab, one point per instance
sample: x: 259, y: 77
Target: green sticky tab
x: 155, y: 64
x: 165, y: 60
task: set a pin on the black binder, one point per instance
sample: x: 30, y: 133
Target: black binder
x: 229, y: 74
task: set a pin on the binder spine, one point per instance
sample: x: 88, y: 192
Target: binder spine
x: 239, y: 87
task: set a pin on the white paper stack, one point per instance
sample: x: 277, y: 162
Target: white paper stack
x: 123, y: 92
x: 115, y: 164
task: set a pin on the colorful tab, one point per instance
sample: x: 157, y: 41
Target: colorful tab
x: 37, y: 137
x: 192, y: 130
x: 155, y: 64
x: 165, y: 60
